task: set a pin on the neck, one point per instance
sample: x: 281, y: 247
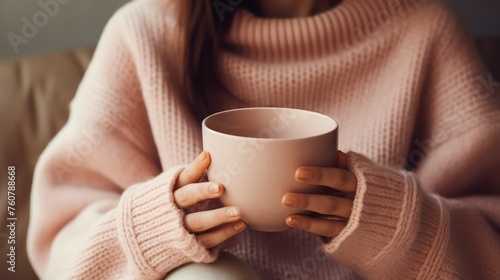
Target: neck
x: 290, y: 8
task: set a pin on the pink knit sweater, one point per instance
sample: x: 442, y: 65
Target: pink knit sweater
x: 401, y: 78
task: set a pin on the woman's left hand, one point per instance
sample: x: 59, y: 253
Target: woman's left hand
x: 326, y: 206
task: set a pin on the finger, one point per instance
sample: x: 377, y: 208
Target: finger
x: 191, y: 194
x: 194, y: 171
x: 336, y: 178
x: 205, y: 220
x: 322, y: 204
x: 341, y: 160
x: 323, y: 227
x: 216, y: 237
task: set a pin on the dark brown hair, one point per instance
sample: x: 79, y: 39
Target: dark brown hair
x: 203, y: 27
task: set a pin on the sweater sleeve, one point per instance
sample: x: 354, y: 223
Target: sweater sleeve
x: 442, y: 220
x: 101, y: 206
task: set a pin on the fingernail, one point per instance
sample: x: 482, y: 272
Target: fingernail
x: 202, y: 156
x: 293, y: 222
x: 215, y: 188
x: 239, y: 226
x: 303, y: 174
x: 233, y: 212
x: 290, y: 200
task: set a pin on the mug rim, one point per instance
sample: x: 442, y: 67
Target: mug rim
x: 205, y: 127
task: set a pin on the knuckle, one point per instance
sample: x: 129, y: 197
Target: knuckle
x: 333, y: 206
x: 330, y: 177
x: 181, y: 199
x: 200, y: 192
x: 303, y: 201
x: 191, y: 193
x: 318, y: 175
x: 194, y: 222
x: 305, y: 225
x: 342, y: 178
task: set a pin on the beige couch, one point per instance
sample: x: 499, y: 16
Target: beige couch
x: 34, y: 97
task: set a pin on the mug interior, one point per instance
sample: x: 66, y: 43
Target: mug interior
x: 271, y: 123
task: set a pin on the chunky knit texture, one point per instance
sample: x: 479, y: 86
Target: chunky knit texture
x: 401, y: 78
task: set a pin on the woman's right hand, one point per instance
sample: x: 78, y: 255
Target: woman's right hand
x: 212, y: 227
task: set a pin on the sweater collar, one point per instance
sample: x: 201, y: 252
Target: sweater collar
x: 340, y: 28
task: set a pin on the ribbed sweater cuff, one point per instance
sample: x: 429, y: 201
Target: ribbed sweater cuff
x: 151, y: 228
x: 390, y: 212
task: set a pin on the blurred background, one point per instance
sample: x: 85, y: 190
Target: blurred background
x: 75, y: 23
x: 78, y: 23
x: 45, y: 47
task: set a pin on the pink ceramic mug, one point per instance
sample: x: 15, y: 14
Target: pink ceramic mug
x: 255, y: 152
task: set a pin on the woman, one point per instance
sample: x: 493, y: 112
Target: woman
x: 114, y: 198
